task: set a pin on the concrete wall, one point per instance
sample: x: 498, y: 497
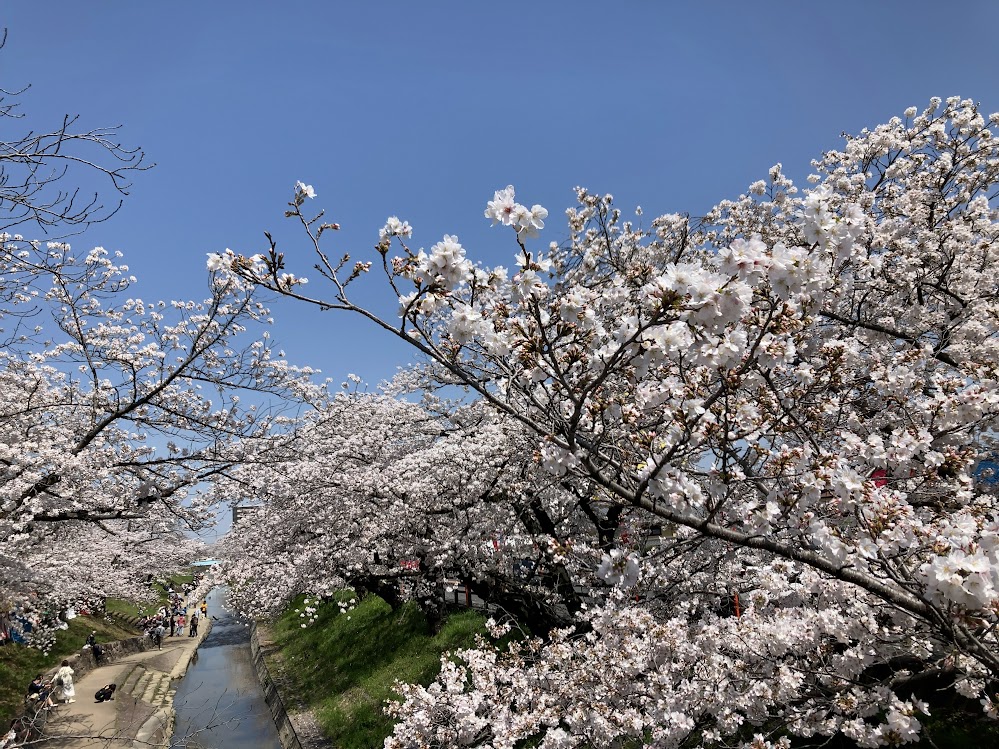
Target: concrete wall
x: 260, y: 645
x: 83, y: 663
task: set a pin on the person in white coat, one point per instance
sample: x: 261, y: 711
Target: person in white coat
x: 64, y: 683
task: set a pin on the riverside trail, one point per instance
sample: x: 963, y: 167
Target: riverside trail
x: 141, y: 713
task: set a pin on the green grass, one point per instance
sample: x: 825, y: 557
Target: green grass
x: 129, y: 608
x: 344, y: 666
x: 146, y: 608
x: 20, y: 664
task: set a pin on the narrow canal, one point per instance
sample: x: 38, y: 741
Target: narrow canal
x: 219, y: 703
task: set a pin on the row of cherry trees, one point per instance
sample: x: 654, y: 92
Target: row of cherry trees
x: 112, y: 408
x: 784, y: 401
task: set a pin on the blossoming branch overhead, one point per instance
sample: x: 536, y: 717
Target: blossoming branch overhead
x: 724, y: 474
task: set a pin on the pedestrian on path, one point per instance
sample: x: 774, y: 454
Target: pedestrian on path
x: 194, y: 624
x: 181, y: 621
x: 173, y: 623
x: 158, y: 633
x: 204, y: 609
x: 64, y: 683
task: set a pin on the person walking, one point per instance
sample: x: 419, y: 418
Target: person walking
x: 64, y: 683
x: 194, y: 624
x: 173, y: 623
x: 158, y: 633
x: 181, y: 621
x: 204, y: 609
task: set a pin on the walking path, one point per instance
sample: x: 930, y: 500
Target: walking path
x: 141, y: 714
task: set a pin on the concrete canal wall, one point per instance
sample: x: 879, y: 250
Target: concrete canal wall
x: 295, y: 730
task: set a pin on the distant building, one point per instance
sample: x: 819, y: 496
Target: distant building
x: 242, y: 512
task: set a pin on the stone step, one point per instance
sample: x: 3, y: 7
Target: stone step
x: 166, y: 693
x: 139, y: 688
x: 128, y: 683
x: 146, y: 684
x: 155, y: 688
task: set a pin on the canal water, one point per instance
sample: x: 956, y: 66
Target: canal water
x: 219, y: 702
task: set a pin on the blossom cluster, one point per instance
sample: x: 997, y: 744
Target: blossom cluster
x: 503, y: 209
x: 721, y: 475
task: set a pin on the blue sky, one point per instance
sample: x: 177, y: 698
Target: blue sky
x: 422, y: 110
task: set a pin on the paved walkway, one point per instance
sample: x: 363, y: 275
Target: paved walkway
x: 141, y: 715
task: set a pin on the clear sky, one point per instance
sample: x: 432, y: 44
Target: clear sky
x: 423, y: 109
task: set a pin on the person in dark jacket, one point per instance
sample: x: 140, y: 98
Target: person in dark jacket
x: 40, y: 692
x: 95, y: 647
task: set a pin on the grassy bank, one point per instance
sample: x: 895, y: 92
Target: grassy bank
x: 134, y: 608
x: 20, y: 664
x: 344, y: 666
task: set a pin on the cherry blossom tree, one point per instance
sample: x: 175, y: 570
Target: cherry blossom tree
x: 112, y: 409
x: 379, y: 494
x: 796, y: 389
